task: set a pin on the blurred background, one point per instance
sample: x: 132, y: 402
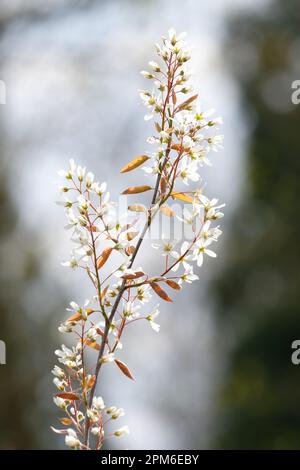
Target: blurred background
x: 71, y: 69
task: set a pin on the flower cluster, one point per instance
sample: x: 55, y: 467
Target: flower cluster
x: 184, y: 136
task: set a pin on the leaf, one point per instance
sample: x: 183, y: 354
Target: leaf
x: 136, y: 162
x: 174, y: 97
x: 173, y: 284
x: 129, y: 250
x: 92, y: 344
x: 93, y: 228
x: 186, y: 103
x: 157, y: 127
x: 67, y: 396
x: 137, y: 208
x: 124, y: 369
x: 131, y: 235
x: 91, y: 382
x: 99, y: 331
x: 163, y: 184
x: 136, y: 189
x: 77, y: 316
x: 177, y: 147
x: 183, y: 197
x: 66, y: 421
x: 160, y: 292
x: 59, y: 431
x: 103, y: 292
x: 136, y: 275
x: 104, y: 257
x: 167, y: 211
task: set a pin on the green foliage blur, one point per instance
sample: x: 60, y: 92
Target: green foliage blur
x: 259, y: 289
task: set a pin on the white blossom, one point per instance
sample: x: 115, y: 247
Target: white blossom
x: 123, y: 431
x: 201, y: 249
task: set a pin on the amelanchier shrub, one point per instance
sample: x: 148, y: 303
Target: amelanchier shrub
x: 184, y: 137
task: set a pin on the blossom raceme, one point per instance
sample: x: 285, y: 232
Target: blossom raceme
x: 183, y: 139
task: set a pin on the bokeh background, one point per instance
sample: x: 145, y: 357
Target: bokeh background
x: 219, y: 375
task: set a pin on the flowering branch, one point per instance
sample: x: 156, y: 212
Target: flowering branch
x: 101, y: 235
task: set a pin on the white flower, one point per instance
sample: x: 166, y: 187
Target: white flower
x: 167, y: 247
x: 59, y: 383
x: 130, y: 310
x: 111, y: 410
x: 99, y: 188
x: 188, y: 217
x: 152, y: 170
x: 118, y: 413
x: 92, y: 334
x: 68, y: 357
x: 72, y: 219
x: 75, y: 308
x: 151, y: 318
x: 216, y: 142
x: 60, y: 402
x: 211, y: 209
x: 154, y: 66
x: 187, y: 142
x: 71, y: 439
x: 123, y: 431
x: 183, y: 257
x: 72, y: 263
x: 210, y: 233
x: 110, y: 357
x: 80, y: 173
x: 98, y: 403
x: 96, y: 430
x: 143, y: 294
x: 58, y: 372
x: 151, y: 102
x: 188, y: 276
x: 70, y: 172
x: 201, y: 249
x: 189, y: 171
x: 89, y: 180
x: 147, y: 74
x: 83, y: 204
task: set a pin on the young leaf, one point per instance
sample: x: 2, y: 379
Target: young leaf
x: 136, y: 162
x: 183, y: 197
x: 137, y: 208
x: 136, y: 275
x: 90, y: 383
x: 77, y: 316
x: 157, y: 127
x: 92, y: 344
x: 124, y: 369
x: 93, y: 228
x: 163, y: 185
x: 103, y: 257
x: 103, y: 292
x: 186, y: 103
x: 131, y: 235
x: 173, y: 284
x: 160, y: 292
x: 167, y: 211
x: 66, y: 421
x: 68, y: 396
x: 174, y: 97
x: 136, y: 189
x: 129, y: 250
x: 177, y: 147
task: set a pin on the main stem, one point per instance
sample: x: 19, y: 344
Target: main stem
x: 108, y: 321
